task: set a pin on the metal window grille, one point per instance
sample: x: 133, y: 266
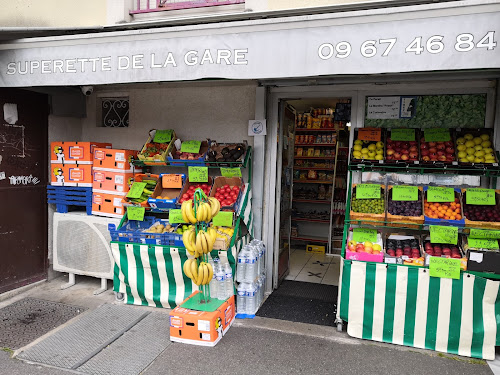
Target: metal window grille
x: 114, y: 112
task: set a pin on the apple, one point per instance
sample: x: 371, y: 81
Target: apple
x: 399, y: 253
x: 397, y: 156
x: 389, y: 140
x: 352, y: 248
x: 450, y: 150
x: 413, y: 155
x: 390, y: 152
x: 352, y: 243
x: 413, y: 148
x: 424, y: 146
x: 404, y: 157
x: 389, y: 157
x: 441, y: 153
x: 432, y: 144
x: 440, y: 146
x: 426, y: 158
x: 442, y: 158
x: 424, y: 152
x: 413, y: 143
x: 432, y: 150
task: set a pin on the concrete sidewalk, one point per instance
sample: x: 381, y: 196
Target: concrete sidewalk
x: 260, y: 346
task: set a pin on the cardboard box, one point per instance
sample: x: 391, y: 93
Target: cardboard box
x: 71, y: 175
x: 483, y: 261
x: 108, y: 205
x: 74, y: 152
x: 404, y: 259
x: 139, y: 178
x: 315, y: 249
x: 114, y: 160
x: 231, y: 181
x: 201, y: 327
x: 117, y: 183
x: 170, y: 185
x: 463, y: 259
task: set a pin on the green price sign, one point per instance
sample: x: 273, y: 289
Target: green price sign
x: 482, y: 233
x: 223, y: 219
x: 198, y: 174
x: 191, y: 146
x: 367, y: 191
x: 437, y: 135
x: 364, y: 234
x: 403, y: 134
x: 440, y: 234
x: 136, y: 213
x: 405, y: 193
x: 447, y: 268
x: 230, y: 172
x: 483, y: 243
x: 175, y: 217
x: 136, y: 190
x: 480, y: 196
x: 163, y: 136
x: 440, y: 194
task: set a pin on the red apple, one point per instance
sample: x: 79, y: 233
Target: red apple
x: 414, y: 155
x: 413, y: 143
x: 432, y: 150
x: 442, y: 158
x: 389, y: 157
x: 450, y: 150
x: 440, y: 146
x: 426, y: 158
x: 413, y: 148
x: 390, y: 152
x: 405, y: 151
x: 404, y: 157
x: 440, y: 153
x: 424, y: 152
x: 432, y: 144
x: 448, y: 144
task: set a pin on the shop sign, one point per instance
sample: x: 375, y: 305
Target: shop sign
x: 448, y: 268
x: 437, y: 135
x: 367, y: 191
x: 230, y: 172
x: 442, y: 234
x: 136, y: 190
x: 404, y: 193
x: 480, y: 196
x: 391, y: 107
x: 483, y: 243
x: 198, y: 174
x: 192, y: 147
x: 163, y: 136
x: 364, y: 234
x: 175, y: 216
x: 440, y: 194
x: 249, y: 51
x: 369, y: 134
x: 223, y: 219
x: 136, y: 213
x: 482, y: 233
x: 403, y: 134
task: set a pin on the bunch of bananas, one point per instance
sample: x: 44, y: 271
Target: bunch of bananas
x: 204, y: 212
x: 201, y: 243
x: 200, y: 274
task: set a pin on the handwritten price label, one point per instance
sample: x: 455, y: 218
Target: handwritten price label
x: 198, y: 174
x: 404, y: 193
x: 403, y: 134
x: 230, y: 172
x: 223, y: 219
x: 163, y: 136
x: 447, y: 268
x: 483, y: 243
x: 136, y: 190
x: 440, y: 234
x: 136, y: 213
x: 171, y: 181
x: 480, y: 196
x: 437, y: 135
x: 370, y: 134
x: 440, y: 194
x: 367, y: 191
x: 481, y: 233
x: 192, y: 147
x: 364, y: 234
x: 175, y: 217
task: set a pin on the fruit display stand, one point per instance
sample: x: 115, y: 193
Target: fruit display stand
x: 152, y: 275
x: 403, y: 304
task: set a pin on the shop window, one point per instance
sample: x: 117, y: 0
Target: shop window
x: 114, y: 112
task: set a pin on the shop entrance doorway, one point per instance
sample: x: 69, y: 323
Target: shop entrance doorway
x: 310, y: 200
x: 23, y: 182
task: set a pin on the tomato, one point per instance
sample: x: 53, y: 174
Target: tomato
x: 236, y: 188
x: 185, y: 196
x: 226, y: 186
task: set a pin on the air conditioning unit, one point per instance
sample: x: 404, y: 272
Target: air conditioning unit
x: 81, y: 246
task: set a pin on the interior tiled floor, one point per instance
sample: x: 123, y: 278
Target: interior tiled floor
x: 314, y: 268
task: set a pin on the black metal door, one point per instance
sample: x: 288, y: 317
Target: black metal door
x: 23, y: 184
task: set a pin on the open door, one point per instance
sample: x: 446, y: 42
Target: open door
x: 284, y: 187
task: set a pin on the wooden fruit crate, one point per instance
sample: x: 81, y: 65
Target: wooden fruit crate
x: 412, y: 222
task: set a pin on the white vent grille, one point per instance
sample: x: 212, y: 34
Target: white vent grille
x: 81, y: 244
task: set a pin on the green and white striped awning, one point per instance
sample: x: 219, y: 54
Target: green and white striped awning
x: 405, y: 306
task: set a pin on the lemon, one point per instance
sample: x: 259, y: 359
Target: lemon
x: 379, y: 157
x: 479, y: 154
x: 464, y: 160
x: 364, y: 150
x: 470, y: 144
x: 470, y: 151
x: 358, y: 142
x: 478, y: 140
x: 486, y: 143
x: 357, y: 154
x: 462, y: 154
x: 380, y: 144
x: 468, y: 137
x: 470, y: 157
x: 478, y: 148
x: 478, y: 160
x: 377, y: 247
x: 485, y: 137
x: 379, y: 152
x: 357, y: 148
x: 372, y: 147
x: 461, y: 147
x: 460, y: 141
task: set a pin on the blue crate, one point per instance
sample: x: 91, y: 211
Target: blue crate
x: 165, y: 204
x: 185, y: 162
x: 65, y: 197
x: 454, y: 223
x: 245, y: 316
x: 130, y: 231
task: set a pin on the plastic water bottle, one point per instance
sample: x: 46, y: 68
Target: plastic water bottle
x: 241, y: 265
x: 213, y: 282
x: 220, y: 276
x: 228, y: 280
x: 241, y: 299
x: 250, y: 273
x: 250, y: 303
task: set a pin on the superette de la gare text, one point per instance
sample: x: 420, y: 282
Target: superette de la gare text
x: 138, y: 61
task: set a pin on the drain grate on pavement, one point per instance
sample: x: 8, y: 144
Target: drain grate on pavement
x: 28, y: 319
x: 75, y: 344
x: 134, y: 351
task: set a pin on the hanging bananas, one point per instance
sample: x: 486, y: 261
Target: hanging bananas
x: 204, y: 212
x: 200, y: 274
x: 201, y: 243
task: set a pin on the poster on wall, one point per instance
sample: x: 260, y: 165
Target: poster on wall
x: 391, y: 107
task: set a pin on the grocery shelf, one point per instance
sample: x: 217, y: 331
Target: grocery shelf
x: 311, y: 200
x: 313, y: 181
x: 315, y: 130
x: 315, y: 144
x: 189, y: 163
x: 315, y: 157
x: 313, y: 169
x: 310, y: 238
x: 310, y: 220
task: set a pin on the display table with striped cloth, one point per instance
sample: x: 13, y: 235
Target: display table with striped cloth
x: 404, y: 305
x: 152, y: 275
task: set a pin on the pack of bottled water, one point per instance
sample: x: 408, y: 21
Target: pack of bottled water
x: 250, y: 274
x: 222, y: 283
